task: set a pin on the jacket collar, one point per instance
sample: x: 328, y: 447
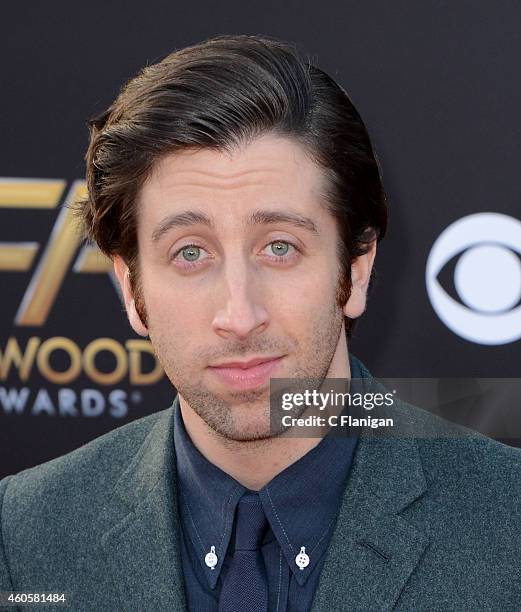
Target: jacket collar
x: 141, y: 544
x: 373, y: 549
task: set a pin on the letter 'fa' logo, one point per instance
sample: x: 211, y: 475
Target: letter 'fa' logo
x: 61, y: 248
x: 487, y: 278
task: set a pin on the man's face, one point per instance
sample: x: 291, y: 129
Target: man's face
x: 249, y: 286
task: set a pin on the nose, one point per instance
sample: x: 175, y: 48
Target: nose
x: 241, y: 314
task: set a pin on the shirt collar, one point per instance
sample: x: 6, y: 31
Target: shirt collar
x: 301, y: 502
x: 207, y: 499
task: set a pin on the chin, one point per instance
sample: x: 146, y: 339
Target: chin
x: 248, y: 429
x: 248, y: 436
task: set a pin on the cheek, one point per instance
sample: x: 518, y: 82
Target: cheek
x: 169, y: 308
x: 176, y: 315
x: 305, y: 307
x: 312, y: 289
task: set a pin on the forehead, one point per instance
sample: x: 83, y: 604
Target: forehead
x: 273, y: 171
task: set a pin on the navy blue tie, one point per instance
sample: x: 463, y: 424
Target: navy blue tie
x: 245, y: 586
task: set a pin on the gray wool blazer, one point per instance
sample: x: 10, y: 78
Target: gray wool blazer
x: 426, y: 523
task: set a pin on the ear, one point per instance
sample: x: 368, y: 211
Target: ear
x: 123, y: 275
x: 360, y: 275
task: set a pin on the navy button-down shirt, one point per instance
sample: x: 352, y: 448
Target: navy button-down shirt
x: 301, y: 504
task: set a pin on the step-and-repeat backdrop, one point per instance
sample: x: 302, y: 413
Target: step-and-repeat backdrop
x: 438, y: 86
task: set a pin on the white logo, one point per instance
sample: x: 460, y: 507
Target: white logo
x: 487, y: 278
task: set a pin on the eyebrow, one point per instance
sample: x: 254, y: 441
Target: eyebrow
x: 188, y: 218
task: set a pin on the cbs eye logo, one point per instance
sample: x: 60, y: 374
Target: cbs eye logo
x: 487, y: 278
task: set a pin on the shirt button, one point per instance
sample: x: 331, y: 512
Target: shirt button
x: 302, y: 559
x: 211, y: 558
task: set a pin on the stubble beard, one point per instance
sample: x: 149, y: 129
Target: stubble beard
x: 245, y: 416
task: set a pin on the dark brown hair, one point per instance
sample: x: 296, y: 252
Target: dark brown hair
x: 220, y: 94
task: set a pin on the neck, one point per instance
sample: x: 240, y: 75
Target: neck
x: 255, y: 463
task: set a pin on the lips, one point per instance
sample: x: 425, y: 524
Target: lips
x: 245, y: 364
x: 246, y: 375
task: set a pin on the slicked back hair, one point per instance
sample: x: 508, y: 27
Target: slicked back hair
x: 221, y: 94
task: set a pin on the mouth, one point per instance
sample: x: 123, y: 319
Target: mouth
x: 246, y: 378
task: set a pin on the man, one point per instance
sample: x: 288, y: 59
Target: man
x: 237, y: 192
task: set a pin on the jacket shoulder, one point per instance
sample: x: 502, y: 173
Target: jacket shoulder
x: 473, y: 462
x: 79, y: 474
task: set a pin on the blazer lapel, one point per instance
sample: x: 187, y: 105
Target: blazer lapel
x: 141, y: 546
x: 374, y: 550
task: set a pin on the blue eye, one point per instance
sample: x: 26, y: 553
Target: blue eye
x: 190, y: 256
x: 192, y: 251
x: 282, y: 250
x: 279, y: 247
